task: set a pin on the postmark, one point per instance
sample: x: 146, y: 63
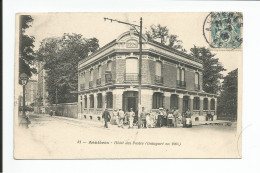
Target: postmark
x: 223, y: 30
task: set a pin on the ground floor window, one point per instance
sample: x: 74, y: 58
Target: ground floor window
x: 196, y: 103
x: 99, y: 100
x: 174, y: 101
x: 91, y: 100
x: 157, y: 100
x: 205, y: 104
x: 212, y: 104
x: 86, y: 101
x: 109, y: 100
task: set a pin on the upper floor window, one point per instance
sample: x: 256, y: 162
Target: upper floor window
x: 91, y: 74
x: 131, y: 65
x: 109, y: 65
x: 158, y: 68
x: 182, y: 74
x: 196, y: 78
x: 99, y: 71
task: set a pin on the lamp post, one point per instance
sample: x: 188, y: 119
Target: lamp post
x: 24, y: 121
x: 140, y: 62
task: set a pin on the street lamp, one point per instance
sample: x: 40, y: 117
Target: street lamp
x: 140, y: 60
x: 24, y: 121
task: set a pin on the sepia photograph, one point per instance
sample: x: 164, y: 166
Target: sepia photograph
x: 120, y: 85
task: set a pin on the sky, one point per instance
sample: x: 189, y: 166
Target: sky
x: 188, y: 26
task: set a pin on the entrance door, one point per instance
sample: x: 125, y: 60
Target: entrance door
x: 131, y: 103
x: 130, y: 100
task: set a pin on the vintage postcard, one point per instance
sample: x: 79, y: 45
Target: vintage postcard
x: 128, y: 85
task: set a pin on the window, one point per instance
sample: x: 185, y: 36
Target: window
x: 174, y: 101
x: 157, y: 100
x: 109, y: 100
x: 99, y: 71
x: 99, y: 100
x: 197, y: 86
x: 131, y: 71
x: 197, y: 78
x: 178, y: 74
x: 131, y: 65
x: 91, y: 74
x: 91, y: 100
x: 86, y: 101
x: 181, y: 78
x: 109, y: 65
x: 182, y: 75
x: 212, y: 104
x: 196, y: 103
x: 205, y: 104
x: 158, y: 68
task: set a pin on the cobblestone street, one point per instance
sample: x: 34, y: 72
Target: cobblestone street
x: 60, y: 137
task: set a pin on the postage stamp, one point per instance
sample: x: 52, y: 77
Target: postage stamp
x: 223, y: 30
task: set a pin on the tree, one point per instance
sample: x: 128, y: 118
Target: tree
x: 60, y: 57
x: 227, y: 102
x: 161, y: 33
x: 26, y: 52
x: 212, y: 69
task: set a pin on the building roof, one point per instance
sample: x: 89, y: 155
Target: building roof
x: 151, y: 42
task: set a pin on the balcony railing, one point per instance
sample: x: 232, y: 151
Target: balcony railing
x: 196, y: 86
x: 181, y: 84
x: 131, y: 77
x: 158, y: 79
x: 98, y: 82
x: 90, y: 84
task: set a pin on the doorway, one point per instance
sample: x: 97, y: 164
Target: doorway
x: 130, y: 100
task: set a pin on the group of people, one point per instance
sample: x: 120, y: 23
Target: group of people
x: 163, y: 117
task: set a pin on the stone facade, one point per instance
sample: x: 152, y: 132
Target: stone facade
x: 108, y: 78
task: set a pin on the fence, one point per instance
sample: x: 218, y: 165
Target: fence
x: 64, y: 109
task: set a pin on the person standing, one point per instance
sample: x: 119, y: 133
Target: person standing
x: 106, y: 116
x: 131, y: 118
x: 115, y: 117
x: 121, y: 116
x: 175, y: 115
x: 160, y: 117
x: 143, y: 117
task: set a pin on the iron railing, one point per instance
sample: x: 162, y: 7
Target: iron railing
x: 131, y: 77
x: 181, y: 84
x: 196, y: 86
x: 158, y: 79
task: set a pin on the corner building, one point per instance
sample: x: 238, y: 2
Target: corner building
x: 108, y: 78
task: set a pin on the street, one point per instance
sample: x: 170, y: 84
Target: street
x: 66, y: 138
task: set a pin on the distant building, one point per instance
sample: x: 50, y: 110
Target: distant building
x: 108, y: 78
x: 30, y: 92
x: 42, y: 94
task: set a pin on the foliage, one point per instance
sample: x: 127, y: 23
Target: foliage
x: 212, y: 69
x: 60, y: 57
x: 227, y: 102
x: 161, y: 33
x: 26, y: 108
x: 26, y: 52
